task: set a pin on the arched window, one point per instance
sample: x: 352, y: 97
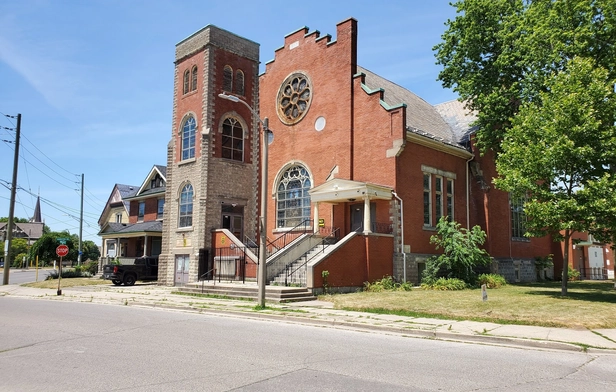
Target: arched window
x: 292, y: 199
x: 186, y: 206
x: 232, y: 140
x: 227, y: 79
x: 193, y: 81
x: 239, y: 82
x: 188, y: 138
x: 186, y: 81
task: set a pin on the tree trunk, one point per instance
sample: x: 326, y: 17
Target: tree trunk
x: 565, y: 274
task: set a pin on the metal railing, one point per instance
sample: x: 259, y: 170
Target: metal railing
x: 288, y: 237
x: 378, y: 227
x: 328, y: 240
x: 229, y: 264
x: 593, y: 273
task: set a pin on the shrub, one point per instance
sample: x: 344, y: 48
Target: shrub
x: 572, y: 273
x: 91, y: 267
x: 462, y: 253
x: 387, y: 283
x: 68, y: 273
x: 445, y: 284
x: 492, y: 281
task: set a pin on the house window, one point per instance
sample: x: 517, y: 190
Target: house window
x: 232, y: 140
x: 193, y: 80
x: 156, y: 182
x: 239, y: 82
x: 518, y: 217
x: 141, y: 213
x: 438, y: 191
x: 450, y: 199
x: 292, y: 199
x: 427, y: 199
x: 118, y: 218
x: 227, y: 79
x: 186, y: 81
x: 186, y: 206
x: 188, y: 138
x: 161, y: 208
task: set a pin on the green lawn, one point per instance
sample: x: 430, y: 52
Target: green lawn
x: 67, y: 282
x: 589, y: 304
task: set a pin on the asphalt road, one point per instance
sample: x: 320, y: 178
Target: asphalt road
x: 19, y: 276
x: 71, y: 346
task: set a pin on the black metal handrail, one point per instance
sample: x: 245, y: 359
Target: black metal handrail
x: 235, y: 254
x: 328, y: 240
x: 288, y: 237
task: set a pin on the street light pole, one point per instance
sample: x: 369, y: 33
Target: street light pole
x: 262, y: 271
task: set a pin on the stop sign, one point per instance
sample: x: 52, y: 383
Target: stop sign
x: 62, y: 250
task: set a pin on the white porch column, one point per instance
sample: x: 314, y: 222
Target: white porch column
x: 367, y: 223
x: 145, y: 245
x: 315, y: 222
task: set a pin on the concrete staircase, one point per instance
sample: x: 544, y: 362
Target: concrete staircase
x: 249, y: 290
x: 297, y: 270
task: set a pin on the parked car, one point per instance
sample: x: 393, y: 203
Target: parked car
x: 144, y: 269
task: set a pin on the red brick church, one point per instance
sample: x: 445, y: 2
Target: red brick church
x: 360, y: 169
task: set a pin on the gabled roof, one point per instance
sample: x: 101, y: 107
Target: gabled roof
x: 459, y: 118
x: 420, y: 115
x: 33, y: 230
x: 145, y: 189
x: 123, y: 229
x: 119, y: 194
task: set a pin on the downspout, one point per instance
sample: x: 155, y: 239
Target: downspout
x: 468, y: 219
x: 402, y: 234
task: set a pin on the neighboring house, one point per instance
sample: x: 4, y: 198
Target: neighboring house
x: 354, y: 156
x: 131, y: 222
x: 31, y: 231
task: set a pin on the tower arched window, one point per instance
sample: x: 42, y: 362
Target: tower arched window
x: 188, y: 138
x: 292, y: 198
x: 239, y: 82
x: 193, y: 80
x: 232, y: 140
x: 227, y: 79
x: 186, y: 206
x: 186, y: 81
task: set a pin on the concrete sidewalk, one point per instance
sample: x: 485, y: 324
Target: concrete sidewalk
x: 322, y: 313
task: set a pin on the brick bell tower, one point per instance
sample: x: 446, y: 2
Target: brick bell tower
x: 212, y: 157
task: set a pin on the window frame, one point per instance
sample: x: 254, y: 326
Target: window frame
x: 141, y: 211
x: 293, y: 205
x: 227, y: 79
x: 238, y: 85
x: 185, y: 206
x: 186, y: 82
x: 518, y: 217
x: 160, y: 208
x: 450, y: 200
x: 193, y: 78
x: 427, y: 199
x: 188, y: 133
x: 229, y: 128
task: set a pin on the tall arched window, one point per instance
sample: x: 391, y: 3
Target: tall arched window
x: 186, y: 206
x: 193, y: 80
x: 232, y: 140
x: 292, y: 199
x: 227, y: 79
x: 186, y: 81
x: 239, y: 82
x: 188, y: 138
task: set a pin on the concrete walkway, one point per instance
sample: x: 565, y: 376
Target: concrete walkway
x: 322, y: 313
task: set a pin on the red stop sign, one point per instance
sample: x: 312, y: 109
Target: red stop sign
x: 62, y: 250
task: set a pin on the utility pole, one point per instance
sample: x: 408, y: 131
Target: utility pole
x: 9, y: 226
x: 80, y: 224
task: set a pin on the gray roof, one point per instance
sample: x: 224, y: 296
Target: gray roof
x: 459, y: 118
x: 162, y: 169
x: 421, y: 117
x: 125, y: 228
x: 33, y: 230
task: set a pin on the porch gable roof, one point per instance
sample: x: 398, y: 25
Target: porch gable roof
x: 339, y: 190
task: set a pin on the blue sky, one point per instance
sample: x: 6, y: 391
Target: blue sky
x: 93, y: 81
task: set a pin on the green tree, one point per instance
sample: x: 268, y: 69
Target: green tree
x: 499, y: 54
x: 90, y: 251
x: 462, y: 252
x: 15, y: 220
x: 559, y: 153
x: 45, y: 247
x: 19, y: 248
